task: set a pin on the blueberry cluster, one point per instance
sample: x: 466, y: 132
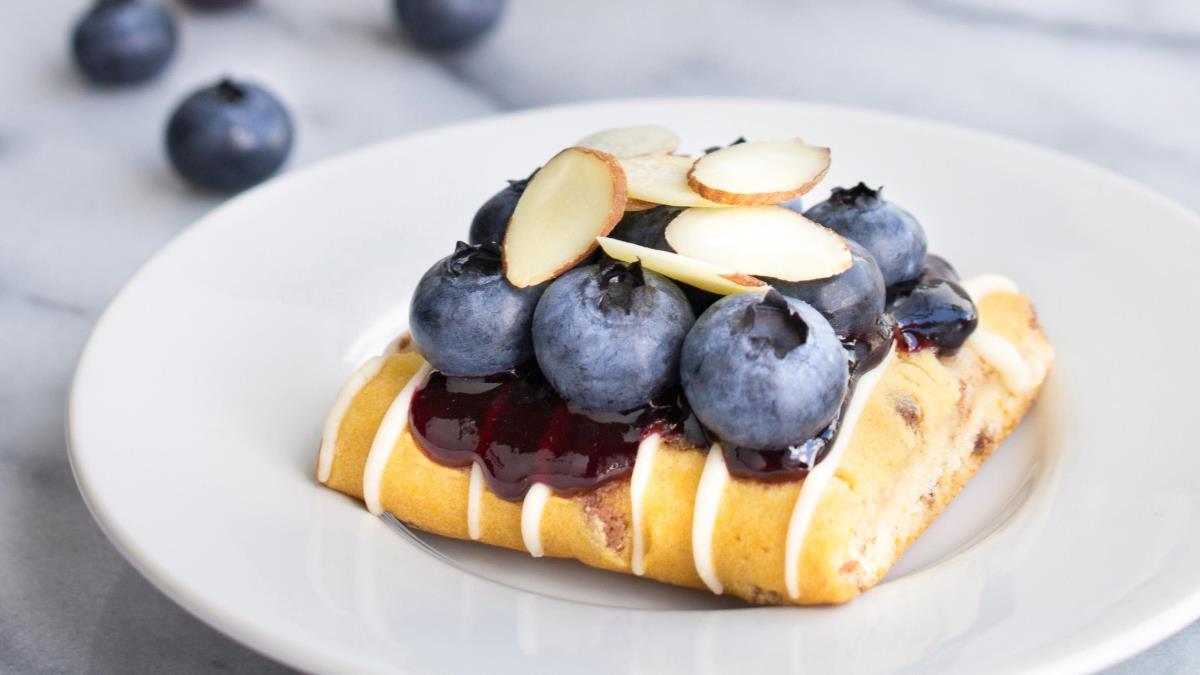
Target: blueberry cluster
x: 759, y: 370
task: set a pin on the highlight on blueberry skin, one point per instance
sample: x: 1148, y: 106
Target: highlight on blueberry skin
x: 491, y: 220
x: 852, y: 301
x: 124, y: 41
x: 891, y: 234
x: 446, y: 25
x: 229, y: 136
x: 764, y: 370
x: 466, y: 319
x: 608, y: 336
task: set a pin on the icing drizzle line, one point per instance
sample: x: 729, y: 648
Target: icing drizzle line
x: 395, y: 421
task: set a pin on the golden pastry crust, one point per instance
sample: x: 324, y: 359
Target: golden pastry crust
x: 925, y: 430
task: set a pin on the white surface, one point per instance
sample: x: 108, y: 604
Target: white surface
x: 237, y: 350
x: 86, y: 196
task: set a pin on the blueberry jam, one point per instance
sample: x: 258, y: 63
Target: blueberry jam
x: 521, y: 431
x: 936, y: 314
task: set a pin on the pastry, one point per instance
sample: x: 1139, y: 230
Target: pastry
x: 732, y: 396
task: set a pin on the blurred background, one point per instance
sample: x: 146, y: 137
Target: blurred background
x: 87, y: 192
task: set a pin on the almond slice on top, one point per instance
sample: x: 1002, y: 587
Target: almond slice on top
x: 645, y: 139
x: 632, y: 204
x: 662, y: 179
x: 698, y: 273
x: 763, y: 241
x: 577, y: 196
x: 759, y: 172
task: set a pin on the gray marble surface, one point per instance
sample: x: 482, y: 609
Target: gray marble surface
x: 85, y: 194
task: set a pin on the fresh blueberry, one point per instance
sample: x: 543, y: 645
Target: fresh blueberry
x: 713, y: 148
x: 124, y: 41
x: 229, y: 136
x: 939, y: 315
x: 764, y: 371
x: 852, y: 301
x: 937, y: 267
x: 466, y: 319
x: 442, y: 25
x: 646, y: 228
x: 608, y: 336
x: 491, y: 220
x: 889, y: 232
x: 217, y: 4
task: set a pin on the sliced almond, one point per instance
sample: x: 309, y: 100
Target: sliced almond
x: 577, y: 196
x: 759, y: 172
x: 764, y: 241
x: 662, y: 179
x: 632, y: 204
x: 703, y: 275
x: 645, y: 139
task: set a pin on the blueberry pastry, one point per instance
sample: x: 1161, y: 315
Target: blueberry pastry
x: 650, y: 365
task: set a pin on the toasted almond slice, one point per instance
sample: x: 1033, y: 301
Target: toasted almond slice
x: 703, y: 275
x: 759, y: 172
x: 645, y: 139
x: 662, y: 179
x: 765, y: 241
x: 632, y: 204
x: 577, y: 196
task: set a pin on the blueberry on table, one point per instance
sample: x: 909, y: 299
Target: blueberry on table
x: 491, y: 220
x: 217, y: 4
x: 764, y: 370
x: 124, y: 41
x: 939, y: 315
x: 646, y: 228
x: 466, y: 319
x: 852, y: 301
x: 442, y: 25
x: 229, y: 136
x: 889, y: 232
x: 608, y: 336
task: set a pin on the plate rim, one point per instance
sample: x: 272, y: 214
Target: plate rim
x: 278, y: 646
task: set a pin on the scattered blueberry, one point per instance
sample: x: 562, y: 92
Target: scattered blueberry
x: 217, y: 4
x: 491, y: 220
x: 939, y: 315
x: 229, y: 136
x: 124, y: 41
x: 442, y: 25
x: 937, y: 267
x: 608, y: 336
x: 764, y: 371
x: 889, y: 232
x: 646, y: 228
x: 852, y: 301
x: 466, y: 319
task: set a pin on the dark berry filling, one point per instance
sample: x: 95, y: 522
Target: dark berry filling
x: 520, y: 431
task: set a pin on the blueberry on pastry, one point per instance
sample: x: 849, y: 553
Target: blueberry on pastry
x: 838, y: 389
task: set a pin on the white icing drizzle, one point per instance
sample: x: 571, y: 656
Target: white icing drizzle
x: 983, y: 284
x: 818, y: 478
x: 474, y: 501
x: 395, y: 421
x: 704, y: 516
x: 1004, y: 357
x: 333, y: 421
x: 1000, y: 354
x: 531, y: 518
x: 643, y: 466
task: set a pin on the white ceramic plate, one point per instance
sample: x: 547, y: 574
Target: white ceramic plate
x: 197, y: 406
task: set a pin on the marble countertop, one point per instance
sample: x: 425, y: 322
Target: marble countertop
x: 86, y: 195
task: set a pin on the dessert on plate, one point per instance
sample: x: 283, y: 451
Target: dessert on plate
x: 661, y: 365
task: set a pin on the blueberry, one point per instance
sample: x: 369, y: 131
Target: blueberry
x: 608, y: 336
x: 217, y: 4
x: 124, y: 41
x: 937, y: 267
x: 939, y: 315
x: 795, y: 204
x: 764, y: 371
x: 466, y: 319
x: 646, y: 228
x: 441, y: 25
x: 491, y: 220
x: 229, y: 136
x: 889, y: 232
x: 852, y: 301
